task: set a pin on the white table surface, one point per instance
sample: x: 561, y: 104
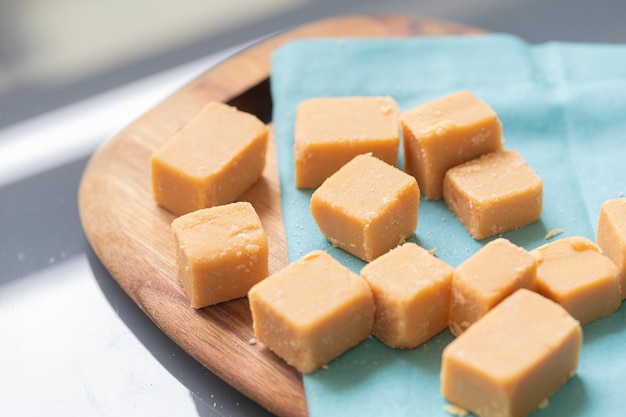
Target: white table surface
x: 72, y: 343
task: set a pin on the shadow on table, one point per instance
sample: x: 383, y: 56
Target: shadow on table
x: 39, y: 223
x: 212, y: 395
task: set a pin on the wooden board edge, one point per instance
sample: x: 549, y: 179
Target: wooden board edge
x: 227, y: 80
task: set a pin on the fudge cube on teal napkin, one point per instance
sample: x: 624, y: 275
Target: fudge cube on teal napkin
x: 562, y: 106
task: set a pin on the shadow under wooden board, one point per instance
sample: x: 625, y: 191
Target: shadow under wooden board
x: 131, y: 235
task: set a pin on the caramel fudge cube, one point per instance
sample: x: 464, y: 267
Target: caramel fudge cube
x: 330, y: 131
x: 312, y: 311
x: 222, y: 252
x: 513, y: 359
x: 411, y: 293
x: 210, y: 161
x: 367, y: 207
x: 486, y: 278
x: 444, y: 133
x: 611, y: 236
x: 494, y: 193
x: 572, y: 272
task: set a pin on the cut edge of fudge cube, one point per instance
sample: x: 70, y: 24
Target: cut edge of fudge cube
x: 221, y: 252
x: 446, y: 132
x: 411, y: 289
x: 573, y: 272
x: 486, y: 278
x: 510, y: 361
x: 611, y: 235
x: 367, y: 207
x: 213, y: 159
x: 495, y: 193
x: 312, y: 311
x: 330, y: 131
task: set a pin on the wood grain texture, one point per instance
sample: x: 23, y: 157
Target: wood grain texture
x: 132, y: 236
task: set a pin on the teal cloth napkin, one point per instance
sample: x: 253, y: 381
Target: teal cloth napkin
x: 562, y: 106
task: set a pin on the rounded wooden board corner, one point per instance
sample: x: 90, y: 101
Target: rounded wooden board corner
x: 131, y: 235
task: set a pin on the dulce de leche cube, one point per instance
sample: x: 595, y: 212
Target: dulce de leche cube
x: 330, y: 131
x: 512, y: 359
x: 312, y: 311
x: 210, y: 161
x: 486, y: 278
x: 572, y: 272
x: 611, y: 236
x: 494, y: 193
x: 446, y: 132
x: 222, y: 252
x: 412, y: 295
x: 367, y: 207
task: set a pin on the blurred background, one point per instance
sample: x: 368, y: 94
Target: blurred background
x: 55, y: 52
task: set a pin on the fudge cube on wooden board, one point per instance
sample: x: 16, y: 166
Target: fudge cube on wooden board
x: 444, y: 133
x: 312, y: 311
x: 221, y: 253
x: 367, y: 208
x: 486, y: 278
x: 572, y: 272
x: 411, y: 289
x: 611, y: 236
x: 512, y: 359
x: 494, y: 193
x: 210, y: 161
x: 330, y: 131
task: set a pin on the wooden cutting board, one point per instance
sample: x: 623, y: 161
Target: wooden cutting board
x: 132, y: 236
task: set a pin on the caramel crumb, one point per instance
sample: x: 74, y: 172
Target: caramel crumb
x: 544, y: 404
x: 553, y: 233
x: 386, y: 109
x: 433, y: 251
x: 455, y: 410
x: 455, y: 328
